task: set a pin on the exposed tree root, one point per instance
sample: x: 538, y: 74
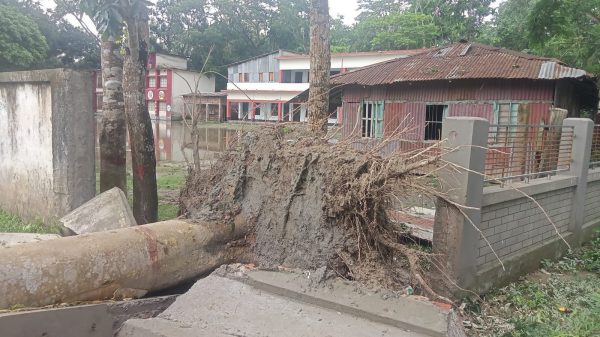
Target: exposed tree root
x: 317, y: 204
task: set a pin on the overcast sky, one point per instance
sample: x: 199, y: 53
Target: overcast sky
x: 346, y: 8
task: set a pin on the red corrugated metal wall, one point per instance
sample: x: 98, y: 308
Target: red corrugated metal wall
x: 405, y: 103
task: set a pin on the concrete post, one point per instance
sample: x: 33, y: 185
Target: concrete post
x: 455, y: 238
x: 220, y: 111
x: 583, y: 129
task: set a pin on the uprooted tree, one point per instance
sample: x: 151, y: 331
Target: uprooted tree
x: 310, y: 203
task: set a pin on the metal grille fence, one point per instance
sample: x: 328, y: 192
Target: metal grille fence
x: 595, y: 157
x: 524, y: 152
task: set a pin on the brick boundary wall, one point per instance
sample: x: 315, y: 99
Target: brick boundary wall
x: 517, y: 229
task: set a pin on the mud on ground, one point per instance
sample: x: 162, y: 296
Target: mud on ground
x: 312, y: 204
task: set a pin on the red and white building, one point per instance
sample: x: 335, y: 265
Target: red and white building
x: 261, y: 88
x: 167, y: 80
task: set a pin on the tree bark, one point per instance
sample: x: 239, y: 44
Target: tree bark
x: 141, y: 138
x: 320, y: 66
x: 113, y: 171
x: 127, y: 262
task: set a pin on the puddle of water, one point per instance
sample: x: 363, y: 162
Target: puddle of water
x: 170, y: 136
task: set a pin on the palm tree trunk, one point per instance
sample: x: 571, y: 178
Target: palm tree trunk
x: 113, y: 171
x: 141, y: 138
x: 320, y: 66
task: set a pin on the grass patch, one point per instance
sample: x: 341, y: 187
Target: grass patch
x: 167, y: 211
x: 560, y: 300
x: 170, y: 177
x: 11, y: 223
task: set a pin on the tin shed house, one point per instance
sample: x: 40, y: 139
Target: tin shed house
x: 414, y: 94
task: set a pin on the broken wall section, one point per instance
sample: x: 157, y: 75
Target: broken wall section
x: 47, y: 135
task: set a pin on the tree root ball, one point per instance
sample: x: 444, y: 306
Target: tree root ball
x: 312, y: 202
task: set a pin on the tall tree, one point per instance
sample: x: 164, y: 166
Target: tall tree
x: 396, y: 31
x: 113, y: 169
x: 22, y: 44
x: 133, y: 15
x: 68, y: 46
x: 320, y: 66
x: 141, y: 138
x: 113, y: 133
x: 509, y: 26
x: 568, y: 30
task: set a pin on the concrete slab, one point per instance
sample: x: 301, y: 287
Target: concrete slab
x: 107, y: 211
x: 11, y: 239
x: 93, y: 320
x: 234, y: 302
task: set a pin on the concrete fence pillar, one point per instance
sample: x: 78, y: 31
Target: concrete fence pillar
x: 583, y: 129
x: 455, y: 236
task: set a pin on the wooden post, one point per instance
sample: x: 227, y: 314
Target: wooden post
x: 520, y: 143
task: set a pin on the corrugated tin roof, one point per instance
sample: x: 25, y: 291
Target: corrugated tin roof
x: 460, y: 61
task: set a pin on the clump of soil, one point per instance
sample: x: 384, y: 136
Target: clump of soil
x: 312, y: 203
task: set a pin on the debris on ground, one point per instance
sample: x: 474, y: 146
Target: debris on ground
x: 313, y: 203
x: 298, y: 303
x: 108, y: 210
x: 561, y: 299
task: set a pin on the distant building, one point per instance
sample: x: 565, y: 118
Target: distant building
x: 167, y: 80
x: 262, y: 87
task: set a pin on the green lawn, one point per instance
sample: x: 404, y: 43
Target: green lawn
x: 13, y: 224
x: 170, y: 177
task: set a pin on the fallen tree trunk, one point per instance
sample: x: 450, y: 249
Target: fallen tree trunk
x: 128, y: 262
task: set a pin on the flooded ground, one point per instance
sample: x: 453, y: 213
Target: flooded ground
x: 173, y: 141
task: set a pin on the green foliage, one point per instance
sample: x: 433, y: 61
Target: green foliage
x: 590, y: 256
x: 568, y: 30
x: 22, y: 44
x: 232, y: 30
x: 396, y: 31
x: 561, y: 301
x: 67, y: 45
x: 509, y: 26
x: 420, y: 22
x: 11, y: 223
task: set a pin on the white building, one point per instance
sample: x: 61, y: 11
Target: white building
x: 261, y: 88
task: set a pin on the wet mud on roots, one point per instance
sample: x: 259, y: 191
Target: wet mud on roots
x: 313, y: 203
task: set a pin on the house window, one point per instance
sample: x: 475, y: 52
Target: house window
x: 163, y: 81
x: 434, y: 115
x: 372, y: 119
x: 258, y: 109
x: 504, y: 114
x: 260, y: 77
x: 240, y: 77
x: 162, y: 106
x: 151, y: 107
x: 246, y: 77
x: 152, y: 82
x: 297, y: 77
x: 274, y: 109
x: 271, y: 77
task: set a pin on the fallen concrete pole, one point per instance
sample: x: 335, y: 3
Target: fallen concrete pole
x: 127, y: 262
